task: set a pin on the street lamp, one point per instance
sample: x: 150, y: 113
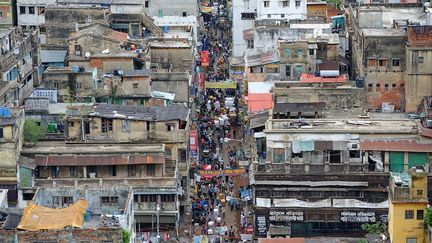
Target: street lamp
x: 157, y: 219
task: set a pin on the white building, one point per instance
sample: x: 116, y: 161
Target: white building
x: 162, y: 8
x: 178, y: 27
x: 245, y: 12
x: 31, y: 14
x: 281, y: 9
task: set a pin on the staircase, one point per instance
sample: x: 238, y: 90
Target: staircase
x: 148, y: 23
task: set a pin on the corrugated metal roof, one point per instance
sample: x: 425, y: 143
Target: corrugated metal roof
x: 132, y: 112
x: 401, y: 145
x: 48, y: 56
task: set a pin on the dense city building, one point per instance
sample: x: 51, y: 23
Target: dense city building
x: 130, y: 121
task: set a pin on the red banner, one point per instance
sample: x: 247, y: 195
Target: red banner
x: 193, y: 135
x: 204, y: 58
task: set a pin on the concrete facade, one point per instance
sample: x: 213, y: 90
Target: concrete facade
x: 6, y: 12
x: 170, y: 8
x: 418, y: 60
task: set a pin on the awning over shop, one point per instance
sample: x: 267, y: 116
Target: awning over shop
x: 205, y: 9
x: 37, y: 217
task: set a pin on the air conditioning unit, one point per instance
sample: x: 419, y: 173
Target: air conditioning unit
x: 353, y: 146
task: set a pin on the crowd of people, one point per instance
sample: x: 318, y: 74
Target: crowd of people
x: 216, y: 194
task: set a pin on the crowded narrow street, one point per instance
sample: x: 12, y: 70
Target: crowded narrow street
x: 218, y: 211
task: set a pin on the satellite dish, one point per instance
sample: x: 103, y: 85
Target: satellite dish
x: 16, y: 51
x: 120, y: 72
x: 87, y: 54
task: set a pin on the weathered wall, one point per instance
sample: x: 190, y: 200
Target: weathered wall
x: 339, y: 98
x: 60, y: 22
x: 75, y: 235
x: 383, y: 80
x: 175, y: 83
x: 419, y: 74
x: 93, y: 45
x: 179, y: 59
x: 171, y: 8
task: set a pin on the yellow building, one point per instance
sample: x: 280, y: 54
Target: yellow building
x: 408, y: 202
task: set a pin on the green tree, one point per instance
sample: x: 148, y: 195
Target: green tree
x: 428, y: 217
x: 126, y: 236
x: 376, y: 228
x: 32, y: 131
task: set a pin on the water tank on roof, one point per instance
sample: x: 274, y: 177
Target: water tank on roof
x: 5, y: 112
x: 329, y: 73
x: 75, y: 68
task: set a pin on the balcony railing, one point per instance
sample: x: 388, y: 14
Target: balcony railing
x: 312, y: 168
x: 137, y: 182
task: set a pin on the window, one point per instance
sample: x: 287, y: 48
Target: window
x: 266, y: 4
x: 378, y: 88
x: 1, y: 14
x: 269, y: 16
x: 382, y: 62
x: 89, y: 19
x: 146, y: 4
x: 22, y: 10
x: 278, y: 155
x: 167, y: 198
x: 315, y: 194
x: 147, y: 125
x: 420, y: 214
x: 386, y: 87
x: 107, y: 125
x: 420, y: 59
x: 395, y: 62
x: 109, y: 201
x: 31, y: 10
x: 285, y: 4
x: 272, y: 70
x: 248, y: 16
x: 1, y: 132
x: 135, y: 85
x: 250, y: 44
x: 409, y: 214
x: 126, y: 125
x: 297, y: 4
x: 184, y: 14
x: 288, y: 70
x: 282, y: 15
x: 370, y: 88
x: 145, y: 198
x: 419, y: 192
x: 71, y: 124
x: 170, y: 127
x: 28, y: 196
x: 131, y: 170
x: 151, y: 170
x: 411, y: 240
x: 371, y: 62
x: 113, y: 170
x: 41, y: 10
x: 300, y: 52
x: 73, y: 171
x: 311, y: 52
x: 62, y: 201
x: 77, y: 50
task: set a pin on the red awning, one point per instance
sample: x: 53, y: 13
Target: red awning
x: 402, y: 146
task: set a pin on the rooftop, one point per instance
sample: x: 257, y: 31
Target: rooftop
x: 169, y: 44
x: 63, y: 148
x: 345, y: 122
x: 8, y: 116
x: 102, y: 2
x: 384, y: 32
x: 101, y: 31
x: 168, y: 113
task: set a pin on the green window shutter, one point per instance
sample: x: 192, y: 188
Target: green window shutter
x: 396, y: 161
x: 415, y: 159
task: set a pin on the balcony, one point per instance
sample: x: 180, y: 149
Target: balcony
x: 312, y: 168
x: 135, y: 182
x: 151, y: 206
